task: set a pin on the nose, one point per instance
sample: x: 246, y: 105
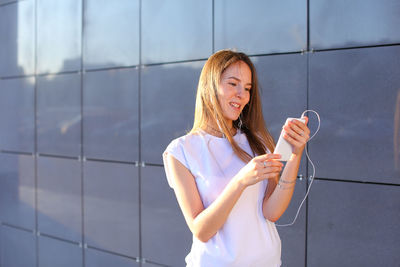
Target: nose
x: 240, y: 91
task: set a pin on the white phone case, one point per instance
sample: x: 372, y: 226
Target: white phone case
x: 283, y: 147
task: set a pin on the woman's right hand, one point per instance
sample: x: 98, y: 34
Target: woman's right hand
x: 260, y: 168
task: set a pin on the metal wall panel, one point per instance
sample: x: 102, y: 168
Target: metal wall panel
x: 110, y: 115
x: 59, y: 198
x: 357, y: 93
x: 176, y: 30
x: 341, y: 23
x: 262, y: 26
x: 111, y: 33
x: 59, y: 30
x: 17, y: 114
x: 111, y: 205
x: 17, y: 190
x: 17, y: 29
x: 96, y: 258
x: 168, y: 97
x: 1, y: 241
x: 353, y: 224
x: 7, y: 1
x: 160, y: 211
x: 293, y: 237
x: 18, y: 247
x: 148, y: 264
x: 53, y: 252
x: 58, y: 116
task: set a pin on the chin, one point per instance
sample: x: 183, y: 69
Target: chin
x: 232, y: 118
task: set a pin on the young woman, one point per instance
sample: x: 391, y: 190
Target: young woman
x: 227, y: 183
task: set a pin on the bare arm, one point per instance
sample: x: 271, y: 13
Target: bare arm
x: 205, y: 222
x: 277, y: 198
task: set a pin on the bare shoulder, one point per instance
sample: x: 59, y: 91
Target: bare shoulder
x: 177, y: 169
x: 185, y: 189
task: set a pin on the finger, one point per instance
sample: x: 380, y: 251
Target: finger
x: 273, y: 157
x: 265, y: 157
x: 263, y: 166
x: 298, y: 140
x: 271, y: 169
x: 306, y: 118
x: 296, y: 136
x: 293, y: 141
x: 299, y: 126
x: 295, y: 131
x: 295, y: 128
x: 272, y: 163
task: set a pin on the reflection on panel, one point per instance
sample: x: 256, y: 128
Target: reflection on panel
x: 111, y: 33
x: 111, y: 207
x: 59, y: 198
x: 17, y: 190
x: 335, y: 24
x: 96, y: 258
x: 176, y: 30
x: 17, y: 114
x: 18, y: 247
x: 353, y: 224
x: 111, y: 115
x: 6, y: 1
x: 293, y: 237
x: 17, y: 38
x: 168, y: 98
x: 59, y: 114
x: 59, y: 34
x: 357, y: 93
x: 262, y: 26
x: 54, y: 252
x: 162, y: 221
x: 283, y: 82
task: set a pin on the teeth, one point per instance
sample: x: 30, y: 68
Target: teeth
x: 235, y: 105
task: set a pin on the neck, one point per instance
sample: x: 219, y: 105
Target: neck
x: 215, y: 125
x: 214, y: 129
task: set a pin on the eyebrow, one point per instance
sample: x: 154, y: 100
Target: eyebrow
x: 232, y: 77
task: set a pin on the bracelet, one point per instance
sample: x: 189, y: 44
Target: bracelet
x: 284, y: 188
x: 287, y: 182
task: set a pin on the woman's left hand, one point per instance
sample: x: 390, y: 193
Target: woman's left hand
x: 297, y: 134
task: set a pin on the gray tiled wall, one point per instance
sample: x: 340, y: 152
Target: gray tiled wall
x: 92, y: 91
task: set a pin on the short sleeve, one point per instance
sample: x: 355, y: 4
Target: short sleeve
x: 176, y: 149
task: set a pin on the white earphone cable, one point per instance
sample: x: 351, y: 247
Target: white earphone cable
x: 313, y: 167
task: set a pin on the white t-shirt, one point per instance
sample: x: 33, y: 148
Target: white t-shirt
x: 246, y: 238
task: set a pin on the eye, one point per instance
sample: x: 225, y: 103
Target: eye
x: 233, y: 84
x: 248, y: 89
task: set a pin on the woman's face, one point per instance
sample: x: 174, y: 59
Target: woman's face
x: 234, y: 90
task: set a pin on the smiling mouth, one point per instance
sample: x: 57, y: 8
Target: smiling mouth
x: 234, y: 105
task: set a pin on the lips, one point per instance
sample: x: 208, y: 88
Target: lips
x: 234, y: 105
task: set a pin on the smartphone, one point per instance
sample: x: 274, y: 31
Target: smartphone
x: 283, y: 147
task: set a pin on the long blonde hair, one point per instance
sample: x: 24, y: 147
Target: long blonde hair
x: 208, y: 108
